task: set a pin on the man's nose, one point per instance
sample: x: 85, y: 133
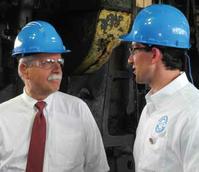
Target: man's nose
x: 57, y: 66
x: 130, y: 59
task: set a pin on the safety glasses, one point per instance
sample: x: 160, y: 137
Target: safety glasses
x: 134, y: 50
x: 46, y: 64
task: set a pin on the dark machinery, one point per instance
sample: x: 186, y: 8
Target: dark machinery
x: 96, y: 70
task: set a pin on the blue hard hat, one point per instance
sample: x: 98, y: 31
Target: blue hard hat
x: 38, y: 37
x: 160, y: 24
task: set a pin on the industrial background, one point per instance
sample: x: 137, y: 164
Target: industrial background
x: 96, y: 70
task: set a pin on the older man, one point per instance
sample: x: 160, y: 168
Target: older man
x: 44, y: 129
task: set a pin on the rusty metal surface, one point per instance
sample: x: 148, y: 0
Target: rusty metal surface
x: 120, y: 5
x: 110, y: 25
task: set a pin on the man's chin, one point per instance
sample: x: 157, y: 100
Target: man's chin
x: 55, y: 86
x: 138, y: 80
x: 53, y: 90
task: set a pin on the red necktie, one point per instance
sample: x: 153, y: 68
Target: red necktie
x: 37, y: 143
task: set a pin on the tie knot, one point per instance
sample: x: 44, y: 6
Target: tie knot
x: 40, y: 105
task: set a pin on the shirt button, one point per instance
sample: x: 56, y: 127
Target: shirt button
x: 152, y: 140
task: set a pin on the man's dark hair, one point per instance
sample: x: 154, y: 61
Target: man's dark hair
x: 173, y: 58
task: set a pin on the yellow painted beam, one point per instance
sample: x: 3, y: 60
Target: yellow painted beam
x: 110, y: 25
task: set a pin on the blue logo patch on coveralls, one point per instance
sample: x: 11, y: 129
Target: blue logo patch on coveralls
x: 161, y: 125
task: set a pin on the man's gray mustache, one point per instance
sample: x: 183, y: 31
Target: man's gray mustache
x: 54, y: 77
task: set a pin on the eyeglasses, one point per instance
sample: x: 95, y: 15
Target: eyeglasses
x: 133, y: 50
x: 47, y: 63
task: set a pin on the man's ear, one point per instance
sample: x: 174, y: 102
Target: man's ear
x: 23, y: 70
x: 157, y: 55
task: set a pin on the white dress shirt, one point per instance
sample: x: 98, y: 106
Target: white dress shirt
x: 167, y: 138
x: 73, y: 143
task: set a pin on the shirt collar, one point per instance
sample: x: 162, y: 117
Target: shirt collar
x: 31, y: 101
x: 163, y: 94
x: 28, y: 100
